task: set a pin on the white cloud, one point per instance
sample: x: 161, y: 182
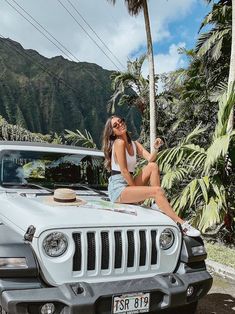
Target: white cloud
x: 167, y: 62
x: 123, y: 34
x: 170, y: 61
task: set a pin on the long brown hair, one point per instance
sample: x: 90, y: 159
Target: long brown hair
x: 108, y: 140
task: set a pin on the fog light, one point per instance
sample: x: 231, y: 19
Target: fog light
x: 48, y: 308
x: 190, y: 291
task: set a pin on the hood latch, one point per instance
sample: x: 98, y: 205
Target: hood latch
x: 30, y: 233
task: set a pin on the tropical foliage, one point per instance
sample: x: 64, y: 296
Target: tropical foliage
x: 200, y: 174
x: 217, y: 40
x: 130, y: 87
x: 12, y: 132
x: 85, y: 140
x: 132, y: 90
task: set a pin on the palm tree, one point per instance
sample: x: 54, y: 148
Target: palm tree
x: 231, y: 79
x: 130, y: 87
x: 134, y: 8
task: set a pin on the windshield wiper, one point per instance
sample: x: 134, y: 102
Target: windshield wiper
x: 26, y: 185
x: 80, y: 185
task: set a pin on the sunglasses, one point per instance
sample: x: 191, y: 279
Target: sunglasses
x: 117, y: 124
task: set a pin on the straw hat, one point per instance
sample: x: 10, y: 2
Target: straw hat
x: 64, y: 197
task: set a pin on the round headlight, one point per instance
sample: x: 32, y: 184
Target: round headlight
x: 55, y: 244
x: 166, y: 239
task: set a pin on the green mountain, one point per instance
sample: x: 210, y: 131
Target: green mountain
x: 50, y: 95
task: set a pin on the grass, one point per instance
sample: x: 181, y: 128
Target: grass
x: 221, y: 254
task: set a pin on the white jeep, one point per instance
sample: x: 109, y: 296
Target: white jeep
x: 92, y: 257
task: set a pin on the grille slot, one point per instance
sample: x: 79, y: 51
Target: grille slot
x: 154, y: 247
x: 77, y: 258
x: 91, y: 251
x: 142, y: 260
x: 118, y: 249
x: 105, y: 250
x: 131, y: 248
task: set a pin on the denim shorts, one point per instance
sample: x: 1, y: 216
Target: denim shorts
x: 116, y: 185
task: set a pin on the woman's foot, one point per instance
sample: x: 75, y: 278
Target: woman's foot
x: 188, y: 230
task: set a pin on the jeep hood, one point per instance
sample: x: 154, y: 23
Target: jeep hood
x: 19, y: 212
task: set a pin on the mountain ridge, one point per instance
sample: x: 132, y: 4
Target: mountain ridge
x: 52, y: 94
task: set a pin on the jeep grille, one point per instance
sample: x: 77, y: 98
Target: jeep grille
x: 98, y: 254
x: 110, y: 250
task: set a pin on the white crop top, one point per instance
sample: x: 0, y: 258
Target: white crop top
x: 131, y: 160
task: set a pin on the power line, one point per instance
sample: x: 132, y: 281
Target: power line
x: 91, y: 28
x: 25, y: 54
x: 88, y: 34
x: 46, y: 30
x: 38, y: 29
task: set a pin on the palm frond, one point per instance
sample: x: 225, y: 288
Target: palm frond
x: 219, y: 191
x: 194, y: 134
x: 216, y: 50
x: 204, y: 184
x: 173, y: 176
x: 185, y: 153
x: 226, y: 104
x: 210, y: 215
x: 216, y: 95
x: 217, y: 149
x: 86, y: 139
x: 193, y: 189
x: 211, y: 41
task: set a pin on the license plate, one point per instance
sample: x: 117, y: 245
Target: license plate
x: 131, y: 303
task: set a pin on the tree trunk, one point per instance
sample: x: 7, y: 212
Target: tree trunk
x: 152, y: 107
x: 231, y: 79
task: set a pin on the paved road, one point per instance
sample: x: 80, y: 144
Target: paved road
x: 220, y: 300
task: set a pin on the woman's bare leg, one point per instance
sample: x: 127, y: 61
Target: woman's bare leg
x: 133, y: 194
x: 150, y: 174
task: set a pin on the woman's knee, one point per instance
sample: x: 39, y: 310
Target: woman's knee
x: 153, y: 166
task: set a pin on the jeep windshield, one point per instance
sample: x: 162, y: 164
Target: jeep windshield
x: 51, y: 169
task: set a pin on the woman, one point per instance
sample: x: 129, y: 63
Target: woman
x: 120, y: 158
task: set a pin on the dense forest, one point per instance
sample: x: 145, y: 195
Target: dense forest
x: 50, y: 95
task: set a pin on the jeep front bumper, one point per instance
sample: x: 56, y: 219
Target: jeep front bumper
x: 166, y: 291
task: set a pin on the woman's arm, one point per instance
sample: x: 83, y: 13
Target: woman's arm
x: 150, y: 157
x: 120, y: 152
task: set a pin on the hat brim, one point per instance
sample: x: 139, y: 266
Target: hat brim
x: 49, y: 200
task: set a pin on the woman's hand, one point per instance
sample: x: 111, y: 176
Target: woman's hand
x: 158, y: 143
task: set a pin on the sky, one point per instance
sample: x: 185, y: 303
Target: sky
x: 174, y: 24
